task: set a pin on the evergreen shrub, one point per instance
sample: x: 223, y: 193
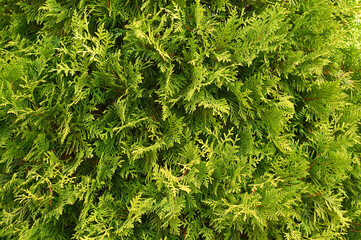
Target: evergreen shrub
x: 159, y: 119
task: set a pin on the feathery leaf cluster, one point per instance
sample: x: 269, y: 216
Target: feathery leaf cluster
x: 181, y: 119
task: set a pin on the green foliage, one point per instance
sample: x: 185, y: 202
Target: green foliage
x: 179, y: 119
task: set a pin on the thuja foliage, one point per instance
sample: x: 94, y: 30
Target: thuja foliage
x: 144, y: 119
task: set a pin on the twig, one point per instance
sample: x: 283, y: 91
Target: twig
x: 184, y: 173
x: 115, y: 75
x: 188, y: 28
x: 315, y: 195
x: 13, y: 87
x: 51, y: 197
x: 310, y: 99
x: 309, y: 168
x: 274, y: 63
x: 259, y: 37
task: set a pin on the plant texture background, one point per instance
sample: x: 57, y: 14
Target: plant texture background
x: 159, y: 119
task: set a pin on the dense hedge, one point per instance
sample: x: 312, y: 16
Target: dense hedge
x: 159, y: 119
